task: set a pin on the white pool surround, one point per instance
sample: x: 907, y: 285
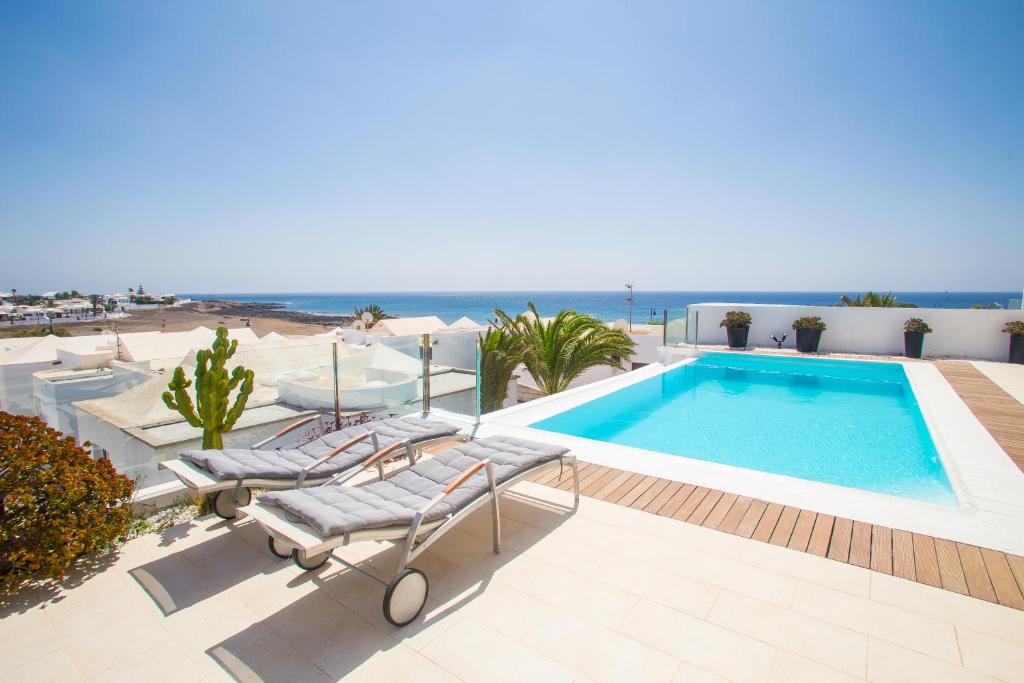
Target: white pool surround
x: 987, y: 484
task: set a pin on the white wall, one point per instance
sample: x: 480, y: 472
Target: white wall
x: 963, y: 333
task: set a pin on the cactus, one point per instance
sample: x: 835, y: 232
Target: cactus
x: 213, y: 388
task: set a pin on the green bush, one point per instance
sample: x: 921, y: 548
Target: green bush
x: 1016, y: 327
x: 916, y: 325
x: 809, y: 322
x: 736, y: 319
x: 56, y: 503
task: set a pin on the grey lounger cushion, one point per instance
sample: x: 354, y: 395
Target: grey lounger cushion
x: 287, y: 463
x: 333, y: 510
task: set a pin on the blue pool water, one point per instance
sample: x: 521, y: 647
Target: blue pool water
x: 849, y: 423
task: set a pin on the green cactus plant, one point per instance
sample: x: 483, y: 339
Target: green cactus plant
x: 213, y: 389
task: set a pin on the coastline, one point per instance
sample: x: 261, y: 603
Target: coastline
x: 262, y: 317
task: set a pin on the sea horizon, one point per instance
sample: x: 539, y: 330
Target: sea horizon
x: 606, y: 305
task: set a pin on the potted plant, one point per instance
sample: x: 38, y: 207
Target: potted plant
x: 913, y: 337
x: 808, y: 333
x: 1016, y: 332
x: 737, y: 328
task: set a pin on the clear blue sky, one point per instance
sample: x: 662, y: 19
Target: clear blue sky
x: 234, y: 146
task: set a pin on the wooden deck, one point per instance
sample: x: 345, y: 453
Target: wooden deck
x: 978, y: 572
x: 1002, y: 415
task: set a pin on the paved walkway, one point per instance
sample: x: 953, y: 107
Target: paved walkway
x: 607, y: 594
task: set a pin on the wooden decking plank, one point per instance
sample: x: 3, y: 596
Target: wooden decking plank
x: 691, y: 503
x: 565, y: 483
x: 673, y: 504
x: 650, y: 494
x: 1003, y: 583
x: 860, y: 545
x: 784, y: 527
x: 619, y: 479
x: 768, y: 521
x: 550, y: 475
x: 664, y: 496
x: 733, y: 518
x: 1016, y: 563
x: 979, y: 585
x: 950, y: 569
x: 839, y: 544
x: 881, y: 549
x: 751, y: 518
x: 802, y: 531
x: 701, y: 512
x: 903, y: 563
x: 637, y: 491
x: 926, y: 564
x: 590, y: 487
x: 622, y: 489
x: 821, y: 534
x: 594, y: 474
x: 720, y: 510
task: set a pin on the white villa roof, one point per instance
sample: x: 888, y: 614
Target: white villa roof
x: 397, y: 327
x: 272, y: 336
x: 465, y: 323
x: 145, y: 346
x: 45, y: 348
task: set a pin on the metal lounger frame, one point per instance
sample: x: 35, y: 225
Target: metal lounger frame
x: 418, y: 536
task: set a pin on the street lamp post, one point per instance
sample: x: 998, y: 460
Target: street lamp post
x: 629, y: 302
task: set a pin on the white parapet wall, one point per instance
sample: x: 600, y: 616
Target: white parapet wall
x: 958, y: 333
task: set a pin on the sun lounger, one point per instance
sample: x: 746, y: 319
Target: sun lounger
x: 414, y: 506
x: 230, y: 474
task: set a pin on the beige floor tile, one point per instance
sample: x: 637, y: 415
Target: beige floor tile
x: 400, y: 664
x: 55, y: 667
x: 474, y: 652
x: 826, y: 643
x: 599, y: 602
x: 687, y: 673
x: 166, y: 662
x: 810, y: 568
x: 507, y: 610
x: 700, y: 643
x: 977, y: 615
x: 90, y: 632
x: 992, y: 656
x: 623, y: 541
x: 791, y: 668
x: 737, y: 576
x: 268, y: 658
x: 691, y: 536
x: 602, y: 654
x: 888, y: 663
x: 24, y: 637
x: 928, y: 636
x: 561, y: 550
x: 668, y: 588
x: 86, y: 590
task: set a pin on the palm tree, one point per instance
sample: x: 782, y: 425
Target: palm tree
x: 500, y: 353
x: 870, y: 300
x: 376, y: 311
x: 94, y: 299
x: 559, y: 351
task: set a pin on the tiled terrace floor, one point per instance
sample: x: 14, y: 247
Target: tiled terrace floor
x: 607, y: 594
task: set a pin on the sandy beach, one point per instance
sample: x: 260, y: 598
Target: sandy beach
x: 262, y: 317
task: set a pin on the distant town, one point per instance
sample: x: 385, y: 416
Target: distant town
x: 68, y: 306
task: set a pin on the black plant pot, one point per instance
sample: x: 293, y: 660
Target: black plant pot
x: 807, y: 340
x: 913, y: 343
x: 1017, y: 348
x: 737, y: 337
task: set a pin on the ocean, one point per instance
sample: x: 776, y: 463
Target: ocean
x: 647, y: 305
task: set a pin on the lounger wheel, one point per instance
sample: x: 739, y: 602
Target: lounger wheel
x: 309, y: 562
x: 405, y: 596
x: 278, y: 549
x: 224, y: 502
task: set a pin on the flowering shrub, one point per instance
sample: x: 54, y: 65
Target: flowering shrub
x: 809, y: 322
x: 916, y: 325
x: 56, y: 503
x: 1016, y: 327
x: 736, y: 319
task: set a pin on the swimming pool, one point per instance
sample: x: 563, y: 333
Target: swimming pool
x: 850, y: 423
